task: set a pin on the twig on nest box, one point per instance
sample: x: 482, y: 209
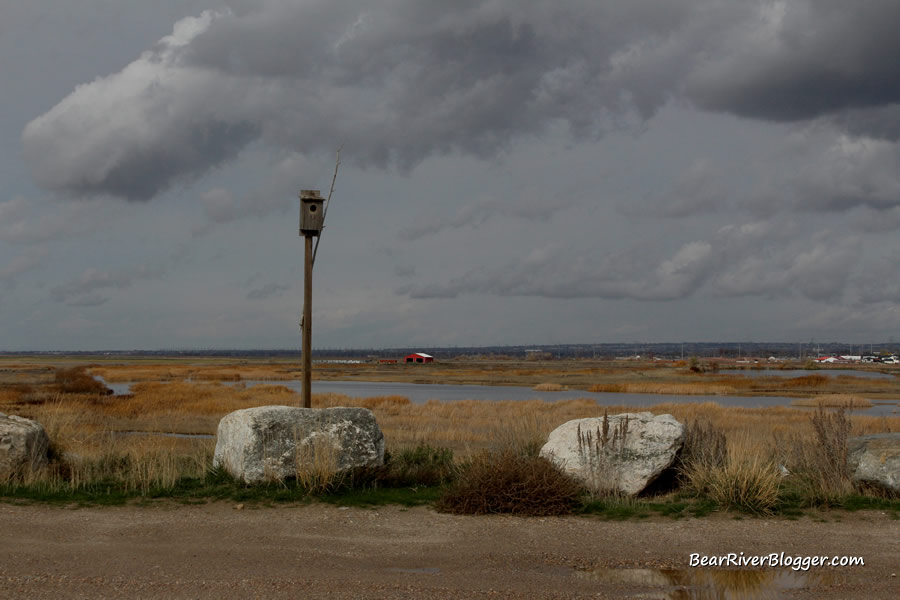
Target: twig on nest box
x: 328, y: 202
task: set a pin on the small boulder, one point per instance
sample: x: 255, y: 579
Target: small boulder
x: 271, y: 443
x: 23, y: 446
x: 621, y: 453
x: 874, y: 460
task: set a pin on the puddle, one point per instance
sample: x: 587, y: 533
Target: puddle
x: 417, y: 571
x: 721, y: 584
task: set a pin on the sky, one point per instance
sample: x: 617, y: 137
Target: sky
x: 564, y: 171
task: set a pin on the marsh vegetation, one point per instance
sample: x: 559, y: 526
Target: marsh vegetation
x: 734, y: 457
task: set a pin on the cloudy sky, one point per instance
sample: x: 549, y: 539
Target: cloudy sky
x: 512, y: 172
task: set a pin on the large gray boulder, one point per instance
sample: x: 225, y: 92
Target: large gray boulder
x: 272, y: 443
x: 874, y: 460
x: 23, y: 446
x: 620, y: 453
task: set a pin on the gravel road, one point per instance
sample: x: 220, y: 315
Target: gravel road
x: 320, y: 551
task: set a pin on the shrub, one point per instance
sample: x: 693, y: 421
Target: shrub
x: 508, y: 482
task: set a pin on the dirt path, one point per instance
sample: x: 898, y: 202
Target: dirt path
x: 319, y: 551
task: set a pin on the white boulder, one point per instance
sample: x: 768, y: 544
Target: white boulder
x: 23, y: 446
x: 874, y: 460
x: 617, y: 453
x: 272, y: 443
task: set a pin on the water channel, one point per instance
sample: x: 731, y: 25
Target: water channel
x: 419, y: 393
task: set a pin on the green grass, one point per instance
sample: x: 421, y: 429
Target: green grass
x: 369, y: 498
x: 620, y: 509
x: 219, y: 486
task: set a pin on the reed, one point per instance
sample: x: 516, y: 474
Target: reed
x: 847, y: 401
x: 817, y: 461
x: 550, y: 387
x: 698, y: 389
x: 317, y: 465
x: 90, y: 449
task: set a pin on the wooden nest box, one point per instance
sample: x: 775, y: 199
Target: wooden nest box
x: 312, y: 212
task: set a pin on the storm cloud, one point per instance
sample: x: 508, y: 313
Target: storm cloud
x: 91, y: 287
x: 500, y: 158
x: 394, y: 80
x: 751, y: 259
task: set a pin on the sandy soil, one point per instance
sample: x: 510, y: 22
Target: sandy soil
x: 321, y: 551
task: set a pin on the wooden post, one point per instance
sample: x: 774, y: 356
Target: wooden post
x: 306, y: 390
x: 312, y: 220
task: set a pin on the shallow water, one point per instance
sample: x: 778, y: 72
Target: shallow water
x: 725, y: 584
x: 420, y: 393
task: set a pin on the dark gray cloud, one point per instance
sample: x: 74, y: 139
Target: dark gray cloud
x: 881, y: 122
x: 395, y: 80
x: 88, y: 288
x: 473, y: 214
x: 822, y: 170
x: 221, y: 207
x: 405, y: 271
x: 753, y: 259
x: 21, y: 264
x: 803, y: 59
x: 878, y: 281
x: 697, y: 191
x: 551, y: 273
x: 267, y: 291
x: 22, y: 221
x: 399, y: 80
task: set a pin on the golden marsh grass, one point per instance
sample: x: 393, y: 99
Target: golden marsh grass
x: 847, y: 401
x: 89, y: 428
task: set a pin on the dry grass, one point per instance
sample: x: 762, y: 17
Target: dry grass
x: 238, y: 372
x: 597, y: 375
x: 748, y: 479
x: 690, y: 389
x: 86, y: 454
x: 847, y: 401
x: 550, y: 387
x: 818, y: 462
x: 317, y: 465
x: 704, y: 452
x: 87, y: 427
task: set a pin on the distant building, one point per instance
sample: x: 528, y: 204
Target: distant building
x: 828, y: 359
x: 851, y: 357
x: 420, y: 357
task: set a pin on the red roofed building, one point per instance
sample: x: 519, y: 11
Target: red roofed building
x: 419, y: 357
